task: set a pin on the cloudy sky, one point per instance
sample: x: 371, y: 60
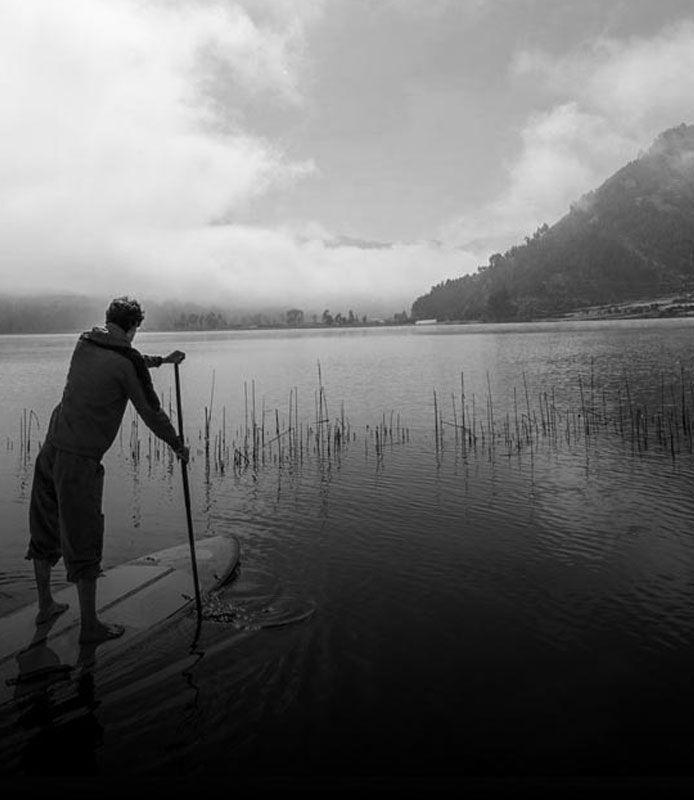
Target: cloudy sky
x: 320, y: 153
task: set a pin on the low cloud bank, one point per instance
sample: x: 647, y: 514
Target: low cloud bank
x: 125, y: 144
x: 119, y: 157
x: 605, y: 103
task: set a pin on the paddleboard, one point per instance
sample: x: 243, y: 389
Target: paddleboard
x: 139, y: 594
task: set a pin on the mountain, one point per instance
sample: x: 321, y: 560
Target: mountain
x: 632, y: 238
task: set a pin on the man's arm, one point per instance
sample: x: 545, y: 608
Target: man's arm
x: 156, y: 361
x: 156, y: 420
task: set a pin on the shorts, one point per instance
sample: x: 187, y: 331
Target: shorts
x: 65, y: 516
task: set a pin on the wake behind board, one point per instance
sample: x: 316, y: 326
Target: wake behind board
x: 138, y: 595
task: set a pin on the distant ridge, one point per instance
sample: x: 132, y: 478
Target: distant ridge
x: 630, y: 239
x: 50, y: 313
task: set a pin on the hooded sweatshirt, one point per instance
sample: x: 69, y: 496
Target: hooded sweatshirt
x: 99, y: 384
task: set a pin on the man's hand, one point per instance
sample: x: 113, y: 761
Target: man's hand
x: 183, y: 453
x: 173, y: 358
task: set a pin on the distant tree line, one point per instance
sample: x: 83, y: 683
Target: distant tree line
x: 72, y: 313
x: 340, y: 319
x: 293, y: 318
x: 210, y: 321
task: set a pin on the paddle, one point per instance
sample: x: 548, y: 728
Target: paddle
x: 186, y: 497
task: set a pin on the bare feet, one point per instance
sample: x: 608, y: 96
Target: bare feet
x: 50, y: 611
x: 99, y: 632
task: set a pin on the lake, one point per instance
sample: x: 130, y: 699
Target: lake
x: 504, y: 588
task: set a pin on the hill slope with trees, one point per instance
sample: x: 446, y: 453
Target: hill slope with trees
x: 632, y: 238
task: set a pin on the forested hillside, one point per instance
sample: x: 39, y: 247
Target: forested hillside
x: 631, y: 238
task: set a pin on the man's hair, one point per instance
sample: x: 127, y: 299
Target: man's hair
x: 125, y: 312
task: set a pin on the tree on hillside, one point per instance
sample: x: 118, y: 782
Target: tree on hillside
x: 499, y: 305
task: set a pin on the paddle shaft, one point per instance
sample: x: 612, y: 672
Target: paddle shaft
x: 186, y: 497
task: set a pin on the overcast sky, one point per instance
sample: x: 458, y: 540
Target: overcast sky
x: 320, y: 153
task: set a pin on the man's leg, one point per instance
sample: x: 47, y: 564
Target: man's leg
x: 80, y: 487
x: 92, y: 630
x: 44, y: 544
x: 48, y: 608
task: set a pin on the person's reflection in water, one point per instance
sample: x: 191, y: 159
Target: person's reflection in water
x: 38, y: 664
x: 63, y: 733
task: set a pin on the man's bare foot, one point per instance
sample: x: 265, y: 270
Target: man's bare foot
x: 99, y: 632
x: 53, y: 610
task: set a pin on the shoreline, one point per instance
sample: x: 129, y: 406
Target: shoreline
x: 671, y: 308
x: 570, y: 317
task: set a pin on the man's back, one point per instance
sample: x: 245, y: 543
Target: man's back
x: 99, y: 384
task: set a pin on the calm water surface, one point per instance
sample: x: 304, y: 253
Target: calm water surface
x: 478, y: 611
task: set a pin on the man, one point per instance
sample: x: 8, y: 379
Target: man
x: 65, y: 513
